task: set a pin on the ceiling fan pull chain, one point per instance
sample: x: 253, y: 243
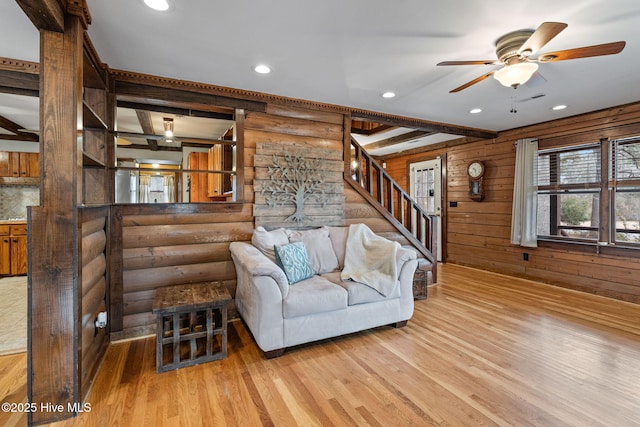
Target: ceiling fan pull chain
x: 513, y: 104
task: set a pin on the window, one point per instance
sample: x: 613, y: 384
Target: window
x: 579, y: 201
x: 168, y: 154
x: 625, y: 180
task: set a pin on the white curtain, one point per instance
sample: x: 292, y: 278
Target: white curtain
x: 169, y: 189
x: 144, y: 189
x: 525, y: 200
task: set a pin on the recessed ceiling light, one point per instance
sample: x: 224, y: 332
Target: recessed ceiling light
x: 475, y: 110
x: 559, y: 107
x: 388, y: 94
x: 160, y: 5
x: 262, y: 69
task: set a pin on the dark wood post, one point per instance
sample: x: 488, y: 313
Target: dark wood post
x: 52, y: 371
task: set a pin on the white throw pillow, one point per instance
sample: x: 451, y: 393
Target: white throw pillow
x: 265, y: 240
x: 323, y: 259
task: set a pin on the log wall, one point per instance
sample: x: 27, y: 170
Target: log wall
x: 169, y: 245
x: 92, y: 284
x: 156, y: 246
x: 478, y: 233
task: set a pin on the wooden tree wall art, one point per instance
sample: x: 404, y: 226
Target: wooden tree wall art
x: 294, y: 179
x: 297, y: 185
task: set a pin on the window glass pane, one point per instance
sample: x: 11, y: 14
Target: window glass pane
x: 573, y: 215
x: 628, y: 215
x: 425, y: 189
x: 544, y: 215
x: 575, y: 166
x: 626, y: 165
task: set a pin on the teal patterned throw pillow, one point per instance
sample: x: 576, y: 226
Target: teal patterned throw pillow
x: 294, y: 260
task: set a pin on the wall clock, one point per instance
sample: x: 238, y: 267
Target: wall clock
x: 475, y: 170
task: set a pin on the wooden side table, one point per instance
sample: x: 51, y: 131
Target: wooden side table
x: 191, y: 324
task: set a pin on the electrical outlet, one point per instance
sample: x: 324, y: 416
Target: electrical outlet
x: 525, y: 256
x: 453, y: 204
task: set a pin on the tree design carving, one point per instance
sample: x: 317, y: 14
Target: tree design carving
x: 294, y: 179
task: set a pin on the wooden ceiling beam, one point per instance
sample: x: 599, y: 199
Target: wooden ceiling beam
x: 19, y: 77
x: 430, y: 148
x: 398, y: 139
x: 424, y: 125
x: 144, y: 117
x: 21, y: 138
x: 145, y: 147
x: 44, y: 14
x: 15, y: 128
x: 227, y: 114
x: 359, y: 127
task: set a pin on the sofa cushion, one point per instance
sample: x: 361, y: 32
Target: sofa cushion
x: 265, y: 240
x: 318, y: 244
x: 314, y: 295
x: 359, y: 293
x: 293, y: 259
x: 338, y: 237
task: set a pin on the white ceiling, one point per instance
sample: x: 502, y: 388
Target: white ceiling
x: 183, y: 126
x: 349, y: 52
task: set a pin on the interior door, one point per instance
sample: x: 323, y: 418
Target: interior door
x: 425, y: 187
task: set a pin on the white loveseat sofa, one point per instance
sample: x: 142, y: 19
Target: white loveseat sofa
x: 281, y: 315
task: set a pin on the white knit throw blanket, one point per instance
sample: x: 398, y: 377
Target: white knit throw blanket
x: 370, y: 259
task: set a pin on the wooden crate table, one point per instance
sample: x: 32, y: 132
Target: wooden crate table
x: 191, y: 324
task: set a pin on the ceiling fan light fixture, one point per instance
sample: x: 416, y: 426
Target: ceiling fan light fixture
x: 262, y: 69
x: 516, y: 74
x: 159, y: 5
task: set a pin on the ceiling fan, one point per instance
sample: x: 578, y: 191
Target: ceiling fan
x: 514, y: 51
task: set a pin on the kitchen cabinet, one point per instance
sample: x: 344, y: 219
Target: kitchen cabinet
x: 19, y: 168
x: 15, y: 164
x: 5, y: 251
x: 13, y: 249
x: 214, y: 163
x: 198, y: 180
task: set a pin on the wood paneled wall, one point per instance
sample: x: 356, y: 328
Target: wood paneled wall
x: 167, y: 245
x: 478, y: 233
x: 172, y: 244
x: 324, y: 165
x: 92, y: 284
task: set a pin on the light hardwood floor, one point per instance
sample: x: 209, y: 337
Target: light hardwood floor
x: 484, y: 349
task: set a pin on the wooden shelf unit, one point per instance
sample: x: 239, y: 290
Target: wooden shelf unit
x: 95, y: 173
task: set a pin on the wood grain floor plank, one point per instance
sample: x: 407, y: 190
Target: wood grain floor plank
x: 483, y: 349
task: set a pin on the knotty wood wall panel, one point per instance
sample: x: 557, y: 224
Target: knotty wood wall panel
x: 478, y: 233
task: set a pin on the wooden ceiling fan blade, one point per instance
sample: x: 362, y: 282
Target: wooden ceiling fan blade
x: 584, y: 52
x: 480, y: 62
x: 472, y: 82
x: 541, y: 36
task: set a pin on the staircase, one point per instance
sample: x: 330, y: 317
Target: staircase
x: 369, y: 179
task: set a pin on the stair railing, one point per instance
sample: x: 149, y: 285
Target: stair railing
x: 374, y: 183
